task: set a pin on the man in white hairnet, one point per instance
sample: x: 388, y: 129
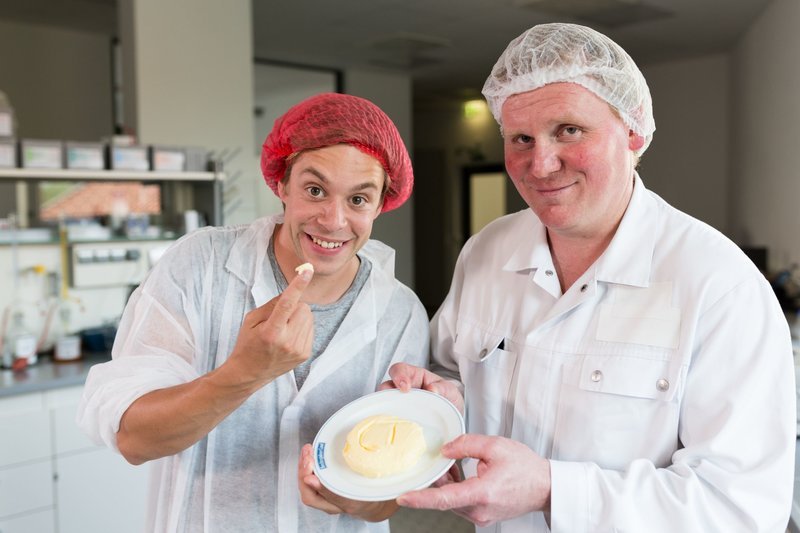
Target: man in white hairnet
x: 625, y: 367
x: 227, y: 361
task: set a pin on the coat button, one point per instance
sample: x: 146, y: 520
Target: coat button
x: 483, y: 353
x: 584, y: 287
x: 662, y: 385
x: 548, y: 272
x: 596, y: 376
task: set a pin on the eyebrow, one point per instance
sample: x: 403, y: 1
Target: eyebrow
x: 321, y: 177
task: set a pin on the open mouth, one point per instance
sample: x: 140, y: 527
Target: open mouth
x: 326, y: 244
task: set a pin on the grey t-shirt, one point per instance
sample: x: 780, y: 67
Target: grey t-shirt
x: 327, y: 318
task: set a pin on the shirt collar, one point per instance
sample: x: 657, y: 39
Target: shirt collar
x: 628, y: 258
x: 529, y: 253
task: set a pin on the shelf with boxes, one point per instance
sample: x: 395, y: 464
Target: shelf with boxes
x: 119, y: 152
x: 184, y: 199
x: 106, y: 175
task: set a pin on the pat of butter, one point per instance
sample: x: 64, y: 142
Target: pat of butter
x: 383, y: 445
x: 305, y: 266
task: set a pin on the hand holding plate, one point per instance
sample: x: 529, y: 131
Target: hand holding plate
x: 511, y: 480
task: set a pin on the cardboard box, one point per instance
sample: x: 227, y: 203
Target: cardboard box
x: 128, y: 158
x: 6, y: 123
x: 46, y: 154
x: 85, y: 156
x: 8, y: 153
x: 168, y: 159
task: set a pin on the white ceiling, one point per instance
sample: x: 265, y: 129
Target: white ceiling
x: 447, y: 46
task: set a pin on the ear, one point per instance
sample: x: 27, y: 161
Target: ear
x: 379, y: 210
x: 282, y: 191
x: 635, y: 141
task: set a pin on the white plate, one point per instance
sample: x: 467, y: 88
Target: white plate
x: 440, y: 420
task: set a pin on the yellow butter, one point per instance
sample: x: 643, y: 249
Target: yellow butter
x: 383, y: 445
x: 304, y: 267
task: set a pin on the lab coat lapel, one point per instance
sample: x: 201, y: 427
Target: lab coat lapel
x: 359, y: 327
x: 637, y: 231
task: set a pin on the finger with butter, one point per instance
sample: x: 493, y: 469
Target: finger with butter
x: 305, y: 266
x: 383, y: 445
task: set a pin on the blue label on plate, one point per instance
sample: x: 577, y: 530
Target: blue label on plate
x: 321, y: 456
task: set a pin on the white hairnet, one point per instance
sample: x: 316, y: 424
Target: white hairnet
x: 559, y: 52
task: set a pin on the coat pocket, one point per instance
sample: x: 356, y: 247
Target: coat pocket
x: 487, y: 370
x: 617, y: 408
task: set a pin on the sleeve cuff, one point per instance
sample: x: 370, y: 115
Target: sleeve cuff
x: 569, y: 499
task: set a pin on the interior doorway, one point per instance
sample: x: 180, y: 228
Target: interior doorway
x: 487, y: 194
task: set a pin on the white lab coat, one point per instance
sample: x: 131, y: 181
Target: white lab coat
x: 183, y: 321
x: 660, y: 385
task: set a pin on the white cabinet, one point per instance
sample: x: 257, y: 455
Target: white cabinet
x: 97, y: 491
x: 54, y: 479
x: 26, y: 488
x: 26, y: 465
x: 41, y: 522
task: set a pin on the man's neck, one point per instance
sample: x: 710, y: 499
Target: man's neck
x: 572, y: 257
x: 574, y: 253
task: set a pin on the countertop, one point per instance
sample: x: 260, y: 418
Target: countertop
x: 45, y: 375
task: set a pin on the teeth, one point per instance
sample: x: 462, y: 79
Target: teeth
x: 326, y: 244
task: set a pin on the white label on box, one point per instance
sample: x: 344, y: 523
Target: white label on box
x: 6, y: 124
x: 42, y: 157
x: 130, y: 159
x: 7, y: 159
x: 169, y: 161
x: 85, y: 158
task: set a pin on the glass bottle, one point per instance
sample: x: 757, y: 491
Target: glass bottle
x: 67, y: 344
x: 19, y: 341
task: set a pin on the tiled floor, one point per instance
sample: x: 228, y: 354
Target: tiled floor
x: 423, y: 521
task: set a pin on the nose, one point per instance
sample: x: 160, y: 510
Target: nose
x: 332, y: 217
x: 545, y: 159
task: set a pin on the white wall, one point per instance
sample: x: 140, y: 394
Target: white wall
x: 688, y: 162
x: 188, y: 80
x: 766, y: 140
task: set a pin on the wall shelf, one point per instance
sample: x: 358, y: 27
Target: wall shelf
x: 180, y: 191
x: 106, y: 175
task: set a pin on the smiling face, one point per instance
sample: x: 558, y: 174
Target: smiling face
x: 571, y: 158
x: 331, y: 197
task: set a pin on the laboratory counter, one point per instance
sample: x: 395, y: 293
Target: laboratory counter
x: 46, y: 375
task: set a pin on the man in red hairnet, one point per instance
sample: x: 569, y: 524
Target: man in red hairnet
x: 228, y: 360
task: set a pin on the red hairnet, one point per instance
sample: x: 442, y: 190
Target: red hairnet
x: 331, y: 118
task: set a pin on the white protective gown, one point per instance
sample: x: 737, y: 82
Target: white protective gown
x: 183, y: 321
x: 660, y: 385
